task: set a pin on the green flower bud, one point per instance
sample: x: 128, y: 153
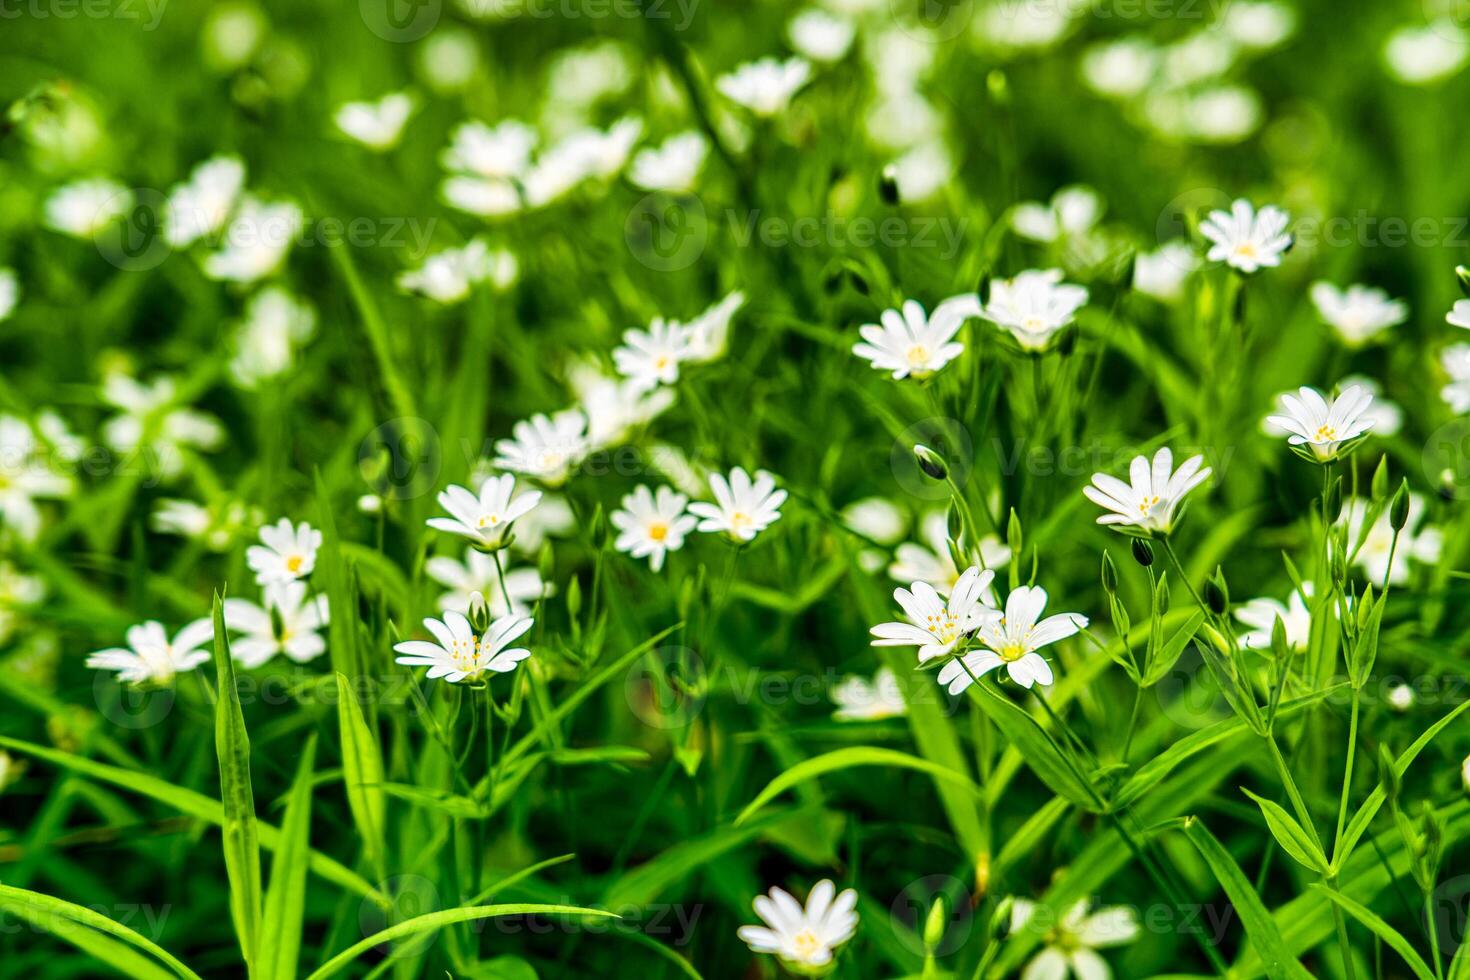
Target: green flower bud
x: 935, y: 923
x: 931, y: 463
x: 1143, y: 552
x: 888, y: 186
x: 1109, y: 575
x: 1398, y: 511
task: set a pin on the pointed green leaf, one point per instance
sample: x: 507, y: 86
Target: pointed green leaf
x: 862, y: 755
x: 48, y: 912
x: 285, y: 898
x: 241, y: 840
x: 362, y: 772
x: 1290, y: 835
x: 1391, y: 936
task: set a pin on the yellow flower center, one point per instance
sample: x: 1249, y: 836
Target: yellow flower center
x: 1326, y: 433
x: 806, y: 944
x: 1012, y: 651
x: 1245, y: 250
x: 740, y: 519
x: 489, y: 520
x: 293, y: 564
x: 465, y: 655
x: 1146, y: 504
x: 918, y: 355
x: 658, y: 532
x: 1033, y: 324
x: 944, y: 626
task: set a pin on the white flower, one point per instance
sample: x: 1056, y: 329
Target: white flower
x: 1456, y: 362
x: 376, y: 125
x: 199, y: 206
x: 26, y: 476
x: 485, y: 518
x: 1400, y: 697
x: 460, y: 655
x: 448, y: 59
x: 447, y: 276
x: 910, y: 344
x: 477, y: 575
x: 1325, y: 429
x: 286, y: 552
x: 1012, y: 641
x: 1201, y: 56
x: 615, y: 408
x: 17, y: 592
x: 151, y: 657
x: 1150, y: 500
x: 804, y: 938
x: 1120, y: 69
x: 1258, y: 24
x: 858, y: 699
x: 709, y: 333
x: 276, y: 324
x: 922, y: 171
x: 1221, y: 114
x: 9, y: 292
x: 502, y: 151
x: 934, y: 624
x: 545, y: 448
x: 149, y: 419
x: 1425, y: 55
x: 821, y: 36
x: 877, y: 519
x: 286, y: 623
x: 584, y: 154
x: 1162, y: 273
x: 651, y: 526
x: 934, y: 564
x: 1358, y: 314
x: 1245, y: 239
x: 1024, y: 25
x: 742, y: 508
x: 1073, y: 212
x: 1034, y: 306
x: 672, y: 166
x: 83, y: 208
x: 649, y: 358
x: 1071, y: 945
x: 765, y: 87
x: 552, y: 517
x: 256, y: 242
x: 1261, y: 615
x: 487, y: 198
x: 1370, y: 550
x: 10, y: 770
x: 216, y: 527
x: 1387, y: 418
x: 1459, y: 314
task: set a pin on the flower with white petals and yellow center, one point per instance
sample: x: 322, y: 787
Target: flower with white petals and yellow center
x: 1034, y: 306
x: 1320, y: 430
x: 1261, y: 616
x: 286, y: 622
x: 485, y: 518
x: 286, y: 552
x: 913, y: 345
x: 651, y: 525
x: 1011, y: 642
x: 1245, y: 239
x: 1149, y: 503
x: 1358, y: 313
x: 545, y: 448
x: 460, y: 654
x: 803, y: 938
x: 649, y: 358
x: 935, y: 625
x: 151, y: 657
x: 1070, y: 944
x: 743, y: 507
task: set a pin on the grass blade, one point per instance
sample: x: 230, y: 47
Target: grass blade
x: 1391, y: 936
x: 285, y: 898
x: 362, y: 772
x: 46, y: 912
x: 241, y: 839
x: 862, y: 755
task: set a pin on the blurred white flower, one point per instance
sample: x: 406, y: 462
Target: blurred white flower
x: 1120, y: 69
x: 1456, y: 361
x: 672, y: 166
x: 1370, y: 550
x: 1033, y: 306
x: 1199, y: 57
x: 1320, y: 430
x: 1221, y: 114
x: 649, y: 358
x: 765, y: 87
x: 287, y: 552
x: 150, y: 656
x: 150, y: 420
x: 877, y: 519
x: 459, y: 654
x: 934, y: 564
x: 232, y: 33
x: 650, y: 526
x: 547, y: 448
x: 216, y: 527
x: 585, y: 154
x: 899, y: 56
x: 803, y: 938
x: 742, y: 508
x: 1070, y: 947
x: 477, y: 575
x: 83, y: 208
x: 1400, y: 697
x: 17, y: 592
x: 200, y: 206
x: 1245, y: 239
x: 256, y: 242
x: 1163, y: 272
x: 1013, y: 26
x: 911, y: 344
x: 1425, y: 55
x: 503, y: 150
x: 9, y: 291
x: 921, y: 172
x: 286, y: 622
x: 709, y: 332
x: 935, y: 624
x: 821, y: 36
x: 1258, y: 24
x: 27, y: 474
x: 577, y: 78
x: 552, y: 517
x: 448, y: 58
x: 615, y: 408
x: 485, y: 517
x: 903, y: 120
x: 1459, y: 314
x: 1261, y: 615
x: 1358, y: 314
x: 1012, y: 642
x: 376, y: 125
x: 1072, y: 212
x: 859, y: 699
x: 1150, y: 501
x: 275, y: 326
x: 492, y: 197
x: 448, y: 276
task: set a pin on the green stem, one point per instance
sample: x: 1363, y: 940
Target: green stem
x: 1169, y: 550
x: 1297, y: 803
x: 1347, y: 777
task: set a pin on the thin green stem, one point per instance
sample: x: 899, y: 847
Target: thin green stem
x: 1347, y: 777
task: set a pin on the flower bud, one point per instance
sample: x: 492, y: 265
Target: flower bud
x: 888, y: 186
x: 999, y: 87
x: 1462, y: 276
x: 1014, y: 540
x: 1334, y: 501
x: 1388, y: 776
x: 1143, y: 552
x: 479, y: 616
x: 1398, y: 511
x: 574, y: 597
x: 1000, y: 919
x: 1109, y: 575
x: 1379, y: 486
x: 935, y: 923
x: 1217, y: 593
x: 931, y: 463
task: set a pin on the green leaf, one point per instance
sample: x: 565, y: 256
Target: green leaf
x: 48, y: 913
x: 434, y: 921
x: 1168, y: 654
x: 377, y: 332
x: 862, y: 755
x: 1035, y: 746
x: 1460, y: 966
x: 1365, y: 651
x: 193, y: 804
x: 1381, y: 929
x: 241, y: 838
x: 1290, y: 835
x: 1257, y: 922
x: 1358, y: 825
x: 362, y: 772
x: 285, y: 898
